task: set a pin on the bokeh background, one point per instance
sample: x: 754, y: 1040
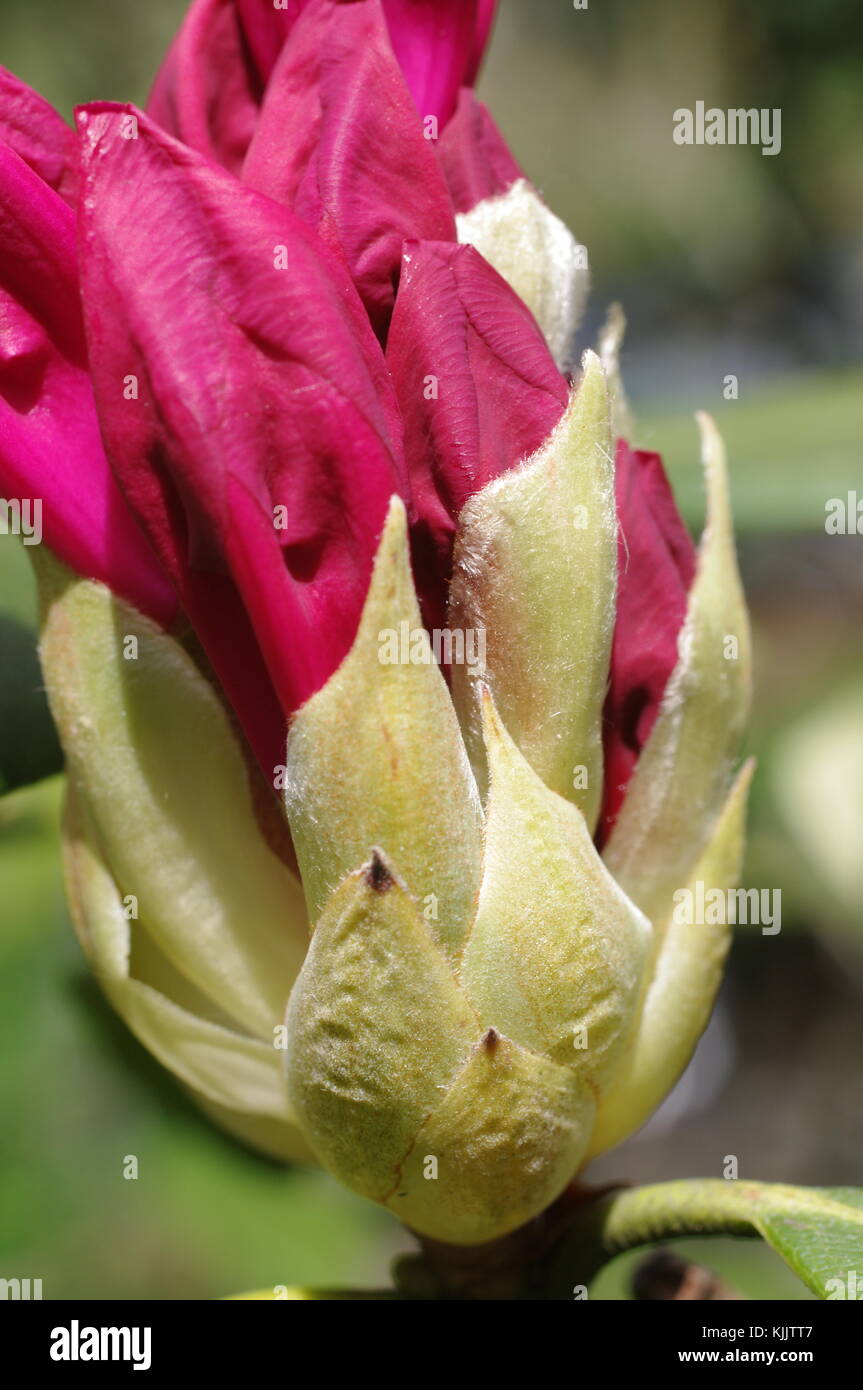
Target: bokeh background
x: 727, y: 262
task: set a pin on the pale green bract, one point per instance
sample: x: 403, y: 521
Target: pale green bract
x: 459, y: 1059
x: 464, y: 1000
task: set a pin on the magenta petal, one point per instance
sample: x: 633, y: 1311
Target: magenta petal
x: 208, y: 91
x: 260, y: 386
x: 50, y: 446
x: 485, y: 16
x: 479, y: 391
x: 474, y: 156
x: 438, y: 45
x: 265, y: 29
x: 340, y: 142
x: 656, y: 560
x: 35, y: 131
x: 211, y: 84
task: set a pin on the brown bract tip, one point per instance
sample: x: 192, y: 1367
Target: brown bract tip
x: 490, y: 1040
x: 378, y: 876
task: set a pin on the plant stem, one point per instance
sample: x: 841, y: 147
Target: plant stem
x: 625, y: 1219
x: 560, y: 1252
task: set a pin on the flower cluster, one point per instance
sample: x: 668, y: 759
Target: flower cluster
x: 288, y: 360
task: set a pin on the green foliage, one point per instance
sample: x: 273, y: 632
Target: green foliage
x: 818, y: 1232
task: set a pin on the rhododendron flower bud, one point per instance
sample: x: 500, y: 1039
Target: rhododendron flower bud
x: 397, y: 704
x: 487, y: 999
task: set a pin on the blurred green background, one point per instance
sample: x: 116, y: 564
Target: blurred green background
x: 727, y: 262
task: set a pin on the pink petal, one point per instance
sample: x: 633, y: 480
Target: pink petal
x: 340, y: 142
x: 259, y: 387
x: 656, y: 560
x: 439, y: 45
x: 207, y: 91
x: 474, y: 156
x: 50, y: 446
x: 478, y: 387
x: 265, y: 29
x: 486, y: 11
x: 39, y: 135
x: 211, y: 84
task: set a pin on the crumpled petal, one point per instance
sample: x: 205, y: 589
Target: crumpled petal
x: 258, y: 452
x: 50, y: 447
x: 339, y: 141
x: 207, y: 91
x: 656, y: 567
x: 265, y: 26
x: 477, y: 162
x: 210, y: 86
x: 479, y: 388
x: 439, y: 44
x: 39, y: 135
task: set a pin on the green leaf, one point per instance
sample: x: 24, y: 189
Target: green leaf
x: 818, y: 1231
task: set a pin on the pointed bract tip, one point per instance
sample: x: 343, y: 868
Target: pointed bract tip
x: 377, y: 873
x: 711, y: 439
x: 746, y: 773
x: 490, y: 1040
x: 715, y: 465
x: 394, y: 535
x: 590, y: 364
x: 589, y: 395
x: 396, y: 514
x: 612, y: 333
x: 491, y: 725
